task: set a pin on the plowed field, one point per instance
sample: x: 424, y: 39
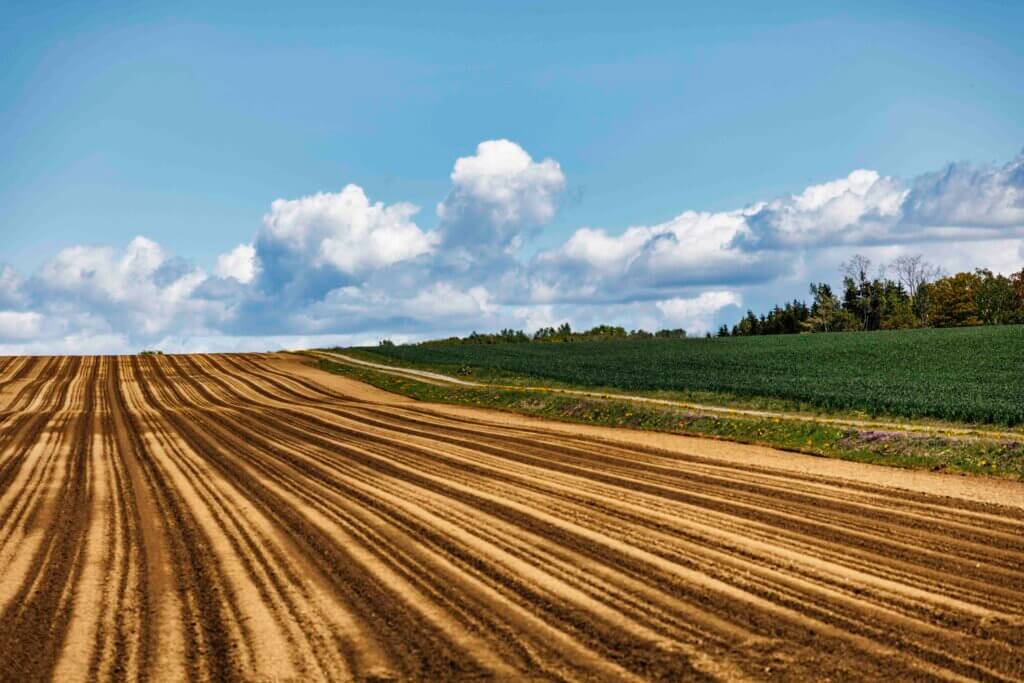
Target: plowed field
x: 249, y: 518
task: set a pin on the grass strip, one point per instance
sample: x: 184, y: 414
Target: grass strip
x: 977, y: 456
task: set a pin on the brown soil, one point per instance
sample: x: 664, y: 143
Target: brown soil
x: 245, y: 517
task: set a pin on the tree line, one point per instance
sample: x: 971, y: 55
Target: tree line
x: 909, y: 292
x: 562, y: 333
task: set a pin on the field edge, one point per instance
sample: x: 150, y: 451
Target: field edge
x: 974, y: 454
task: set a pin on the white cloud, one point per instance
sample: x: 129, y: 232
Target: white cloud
x: 225, y: 343
x: 964, y: 196
x: 336, y: 266
x: 858, y: 208
x: 444, y: 300
x: 603, y: 252
x: 239, y: 263
x: 695, y: 314
x: 143, y: 287
x: 498, y: 195
x: 437, y: 306
x: 692, y: 249
x: 776, y: 240
x: 960, y: 202
x: 139, y: 274
x: 536, y: 317
x: 345, y: 230
x: 20, y: 324
x: 72, y: 344
x: 98, y: 272
x: 11, y: 283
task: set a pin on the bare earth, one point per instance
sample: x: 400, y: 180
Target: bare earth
x: 251, y: 518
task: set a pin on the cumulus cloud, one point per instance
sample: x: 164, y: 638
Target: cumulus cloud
x: 239, y: 264
x: 695, y: 314
x: 773, y: 239
x: 140, y: 290
x: 138, y: 275
x: 959, y: 202
x: 859, y: 208
x: 339, y: 266
x: 78, y: 343
x: 692, y: 249
x: 443, y: 299
x: 498, y: 196
x: 11, y: 283
x: 436, y: 308
x: 312, y: 244
x: 20, y: 324
x: 963, y: 196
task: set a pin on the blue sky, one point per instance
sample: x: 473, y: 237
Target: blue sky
x: 182, y: 124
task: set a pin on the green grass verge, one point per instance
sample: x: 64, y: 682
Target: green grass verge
x: 488, y: 375
x: 913, y: 451
x: 973, y: 375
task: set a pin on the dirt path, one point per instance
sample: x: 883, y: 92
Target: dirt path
x: 247, y: 517
x: 887, y: 425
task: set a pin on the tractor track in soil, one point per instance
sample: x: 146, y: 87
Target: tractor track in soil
x: 246, y: 517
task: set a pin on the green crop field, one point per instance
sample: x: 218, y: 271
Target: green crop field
x: 965, y: 374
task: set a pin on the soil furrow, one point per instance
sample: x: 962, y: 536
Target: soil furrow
x: 246, y: 517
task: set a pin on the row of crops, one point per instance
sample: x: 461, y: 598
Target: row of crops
x: 965, y: 374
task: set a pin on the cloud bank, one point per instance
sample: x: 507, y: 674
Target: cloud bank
x: 339, y: 267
